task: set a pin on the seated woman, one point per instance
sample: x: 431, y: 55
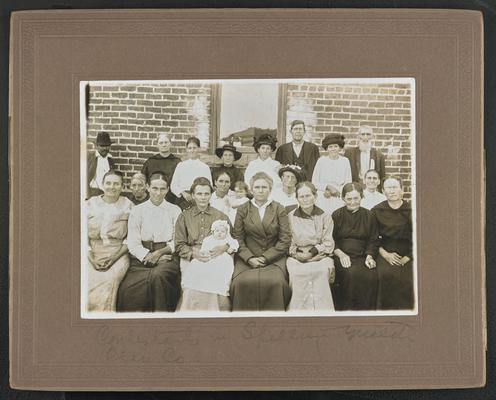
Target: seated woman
x: 286, y: 195
x: 260, y: 278
x: 331, y: 172
x: 395, y: 261
x: 187, y: 171
x: 355, y: 234
x: 371, y: 194
x: 152, y: 282
x: 192, y: 227
x: 264, y: 145
x: 138, y: 193
x: 107, y: 231
x: 310, y: 265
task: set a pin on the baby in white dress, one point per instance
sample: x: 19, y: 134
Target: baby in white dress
x: 213, y: 276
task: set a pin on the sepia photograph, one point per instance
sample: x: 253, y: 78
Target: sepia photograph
x: 254, y: 197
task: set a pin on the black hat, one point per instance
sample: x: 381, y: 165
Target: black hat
x: 266, y: 138
x: 103, y: 139
x: 333, y: 138
x: 294, y: 169
x: 219, y: 151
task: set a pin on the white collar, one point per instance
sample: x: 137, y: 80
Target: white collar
x: 98, y: 155
x: 267, y: 203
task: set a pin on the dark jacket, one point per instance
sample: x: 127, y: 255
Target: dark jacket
x: 91, y: 167
x: 353, y: 154
x: 308, y: 157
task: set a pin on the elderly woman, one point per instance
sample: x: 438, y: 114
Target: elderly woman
x: 286, y: 195
x: 107, y: 230
x: 371, y: 194
x: 153, y: 278
x: 228, y: 155
x: 331, y: 172
x: 138, y: 193
x: 187, y: 171
x: 192, y: 227
x: 310, y: 265
x: 260, y: 278
x: 355, y: 234
x: 395, y: 261
x: 264, y: 145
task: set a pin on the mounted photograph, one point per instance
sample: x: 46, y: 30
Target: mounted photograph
x: 254, y: 197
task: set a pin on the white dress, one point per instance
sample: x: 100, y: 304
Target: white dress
x: 107, y: 231
x: 186, y: 172
x: 269, y: 166
x: 331, y: 172
x: 213, y: 276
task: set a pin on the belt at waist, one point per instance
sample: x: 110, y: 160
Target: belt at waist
x: 152, y: 246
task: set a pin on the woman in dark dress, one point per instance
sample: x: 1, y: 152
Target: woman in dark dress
x: 355, y: 234
x: 260, y: 278
x: 228, y: 154
x: 395, y: 260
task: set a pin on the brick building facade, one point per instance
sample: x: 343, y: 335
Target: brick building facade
x: 134, y: 114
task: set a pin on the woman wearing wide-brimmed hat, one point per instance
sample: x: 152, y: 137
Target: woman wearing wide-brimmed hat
x: 331, y: 173
x: 228, y: 155
x: 264, y: 145
x: 290, y: 176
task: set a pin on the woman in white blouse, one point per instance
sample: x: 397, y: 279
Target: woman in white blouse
x: 264, y: 145
x: 371, y: 194
x: 187, y: 171
x: 152, y: 282
x: 107, y: 231
x: 331, y: 173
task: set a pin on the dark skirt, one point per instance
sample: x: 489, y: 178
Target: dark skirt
x: 147, y: 288
x: 355, y: 288
x: 395, y: 286
x: 259, y: 289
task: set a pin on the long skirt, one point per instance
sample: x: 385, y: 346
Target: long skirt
x: 259, y: 289
x: 103, y: 285
x: 147, y: 288
x: 195, y: 300
x: 355, y: 288
x: 395, y: 286
x: 309, y: 283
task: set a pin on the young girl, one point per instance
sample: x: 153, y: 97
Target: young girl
x: 241, y: 197
x: 213, y: 276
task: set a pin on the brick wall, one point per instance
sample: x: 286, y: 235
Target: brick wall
x: 135, y: 114
x: 343, y: 108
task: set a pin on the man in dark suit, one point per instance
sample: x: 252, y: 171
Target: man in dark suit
x: 98, y: 164
x: 364, y: 157
x: 298, y: 151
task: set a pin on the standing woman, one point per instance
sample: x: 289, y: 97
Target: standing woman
x: 152, y: 282
x: 264, y: 145
x: 260, y: 278
x: 228, y: 155
x: 187, y: 171
x: 394, y: 264
x: 138, y: 193
x: 310, y: 265
x: 331, y: 173
x: 355, y: 234
x: 107, y: 229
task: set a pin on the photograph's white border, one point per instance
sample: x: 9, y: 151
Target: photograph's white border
x: 204, y: 314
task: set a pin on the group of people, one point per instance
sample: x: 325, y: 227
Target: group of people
x: 298, y: 232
